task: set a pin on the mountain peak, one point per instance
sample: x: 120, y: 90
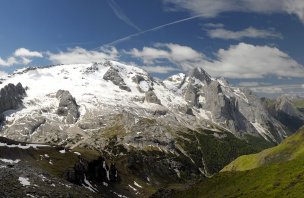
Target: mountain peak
x: 200, y: 74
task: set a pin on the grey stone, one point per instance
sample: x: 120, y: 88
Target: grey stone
x: 200, y: 74
x: 137, y: 79
x: 151, y: 97
x: 113, y: 75
x: 11, y: 97
x: 67, y: 106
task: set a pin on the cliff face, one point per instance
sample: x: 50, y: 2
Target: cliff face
x: 284, y: 110
x: 11, y: 98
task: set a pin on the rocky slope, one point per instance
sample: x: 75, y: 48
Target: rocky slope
x: 155, y: 133
x: 35, y: 170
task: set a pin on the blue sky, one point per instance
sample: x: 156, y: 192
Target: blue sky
x: 252, y: 43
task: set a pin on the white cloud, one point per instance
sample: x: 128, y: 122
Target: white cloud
x: 177, y: 54
x: 79, y: 55
x: 2, y: 73
x: 22, y: 52
x: 214, y: 25
x: 25, y: 61
x: 250, y: 61
x: 302, y: 86
x: 148, y: 54
x: 268, y: 90
x: 159, y: 69
x: 249, y: 32
x: 248, y: 84
x: 238, y: 61
x: 211, y: 8
x: 20, y: 56
x: 9, y: 62
x: 273, y: 90
x: 252, y: 84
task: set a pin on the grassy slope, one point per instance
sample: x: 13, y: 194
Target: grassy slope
x: 291, y: 148
x: 300, y: 105
x: 276, y: 180
x: 274, y: 172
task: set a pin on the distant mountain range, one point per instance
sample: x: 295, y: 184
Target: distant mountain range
x: 142, y: 133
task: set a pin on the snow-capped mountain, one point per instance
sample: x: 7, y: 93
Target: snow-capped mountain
x: 93, y: 94
x: 185, y: 127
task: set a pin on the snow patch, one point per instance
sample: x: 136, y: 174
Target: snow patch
x: 27, y: 146
x: 108, y: 172
x: 262, y: 131
x: 10, y: 161
x: 136, y: 184
x: 62, y: 151
x: 133, y: 188
x: 24, y: 181
x: 240, y: 94
x: 88, y: 185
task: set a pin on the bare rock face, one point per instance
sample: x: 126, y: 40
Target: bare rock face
x: 151, y: 97
x: 285, y: 111
x: 224, y: 109
x: 92, y: 69
x: 201, y: 75
x: 27, y: 126
x: 283, y: 104
x: 137, y: 79
x: 113, y: 75
x: 67, y: 106
x: 194, y: 87
x: 191, y: 95
x: 11, y: 98
x: 236, y: 109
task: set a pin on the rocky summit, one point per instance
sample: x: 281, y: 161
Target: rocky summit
x: 145, y: 133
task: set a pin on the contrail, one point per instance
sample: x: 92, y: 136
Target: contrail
x: 148, y: 30
x: 140, y: 32
x: 121, y: 15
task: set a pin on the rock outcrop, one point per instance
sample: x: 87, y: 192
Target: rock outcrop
x: 113, y: 75
x: 67, y: 106
x: 285, y: 111
x: 11, y: 97
x: 151, y: 97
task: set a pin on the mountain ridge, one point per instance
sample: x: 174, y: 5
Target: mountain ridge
x: 162, y: 133
x: 197, y: 89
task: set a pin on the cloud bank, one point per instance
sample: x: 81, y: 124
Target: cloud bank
x: 238, y: 61
x: 20, y: 56
x: 211, y: 8
x: 23, y: 52
x: 249, y: 32
x: 80, y: 55
x: 241, y: 61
